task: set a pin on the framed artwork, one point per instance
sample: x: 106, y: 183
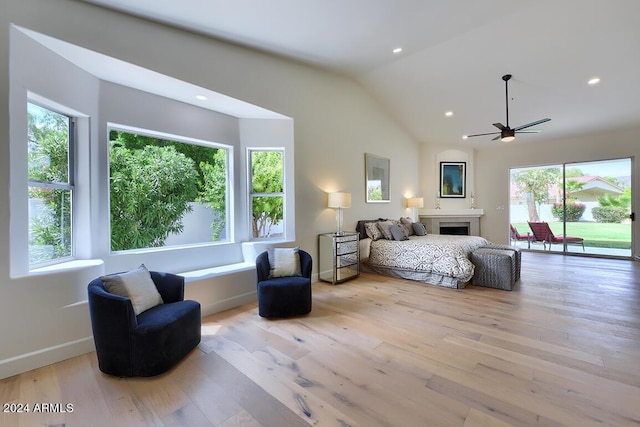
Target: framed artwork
x: 376, y: 178
x: 453, y: 177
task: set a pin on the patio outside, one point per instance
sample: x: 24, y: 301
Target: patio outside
x: 600, y: 239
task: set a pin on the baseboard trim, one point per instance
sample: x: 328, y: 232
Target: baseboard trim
x: 45, y: 356
x: 229, y: 303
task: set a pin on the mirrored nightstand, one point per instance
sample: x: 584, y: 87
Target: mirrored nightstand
x: 338, y: 256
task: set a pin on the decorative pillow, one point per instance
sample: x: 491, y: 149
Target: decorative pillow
x: 419, y: 228
x: 362, y: 229
x: 406, y: 223
x: 398, y: 232
x: 135, y: 285
x: 383, y: 226
x: 373, y: 231
x: 284, y: 262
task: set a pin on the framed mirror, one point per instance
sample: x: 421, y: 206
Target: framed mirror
x: 376, y: 178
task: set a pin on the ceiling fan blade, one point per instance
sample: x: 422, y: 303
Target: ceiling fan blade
x: 496, y: 138
x: 531, y: 124
x: 500, y: 126
x: 529, y: 131
x: 482, y: 134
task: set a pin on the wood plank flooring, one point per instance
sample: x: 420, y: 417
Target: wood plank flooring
x: 561, y: 349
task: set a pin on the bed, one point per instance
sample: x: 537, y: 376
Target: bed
x: 436, y: 259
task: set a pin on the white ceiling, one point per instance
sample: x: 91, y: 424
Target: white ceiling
x: 454, y: 55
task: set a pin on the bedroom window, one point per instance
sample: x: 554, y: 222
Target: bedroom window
x: 50, y: 139
x: 166, y: 190
x: 266, y: 177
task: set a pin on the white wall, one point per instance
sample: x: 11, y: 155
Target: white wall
x: 44, y: 318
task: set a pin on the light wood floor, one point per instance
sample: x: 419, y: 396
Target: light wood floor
x: 561, y: 349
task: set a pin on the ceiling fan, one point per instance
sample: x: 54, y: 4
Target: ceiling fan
x: 508, y: 134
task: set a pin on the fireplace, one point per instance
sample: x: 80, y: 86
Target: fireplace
x: 465, y: 222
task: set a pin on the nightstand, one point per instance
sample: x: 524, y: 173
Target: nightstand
x: 338, y: 256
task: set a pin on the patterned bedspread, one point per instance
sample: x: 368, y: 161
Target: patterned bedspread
x: 433, y: 253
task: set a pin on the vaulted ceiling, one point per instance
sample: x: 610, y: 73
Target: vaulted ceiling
x: 453, y: 56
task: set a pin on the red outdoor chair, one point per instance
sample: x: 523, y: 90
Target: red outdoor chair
x: 542, y: 233
x: 517, y: 237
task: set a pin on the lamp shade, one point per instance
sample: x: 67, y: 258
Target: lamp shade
x: 339, y: 200
x: 415, y: 202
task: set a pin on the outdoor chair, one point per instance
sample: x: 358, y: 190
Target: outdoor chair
x: 542, y: 233
x: 517, y: 237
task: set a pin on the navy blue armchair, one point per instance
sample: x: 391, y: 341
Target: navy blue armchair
x: 150, y: 343
x: 284, y: 296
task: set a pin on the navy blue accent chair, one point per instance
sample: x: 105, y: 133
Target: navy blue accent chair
x: 284, y: 296
x: 150, y: 343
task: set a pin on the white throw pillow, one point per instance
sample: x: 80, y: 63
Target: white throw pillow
x: 284, y: 262
x: 136, y: 285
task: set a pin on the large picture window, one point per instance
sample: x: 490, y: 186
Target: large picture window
x: 50, y: 137
x: 266, y: 169
x: 165, y: 191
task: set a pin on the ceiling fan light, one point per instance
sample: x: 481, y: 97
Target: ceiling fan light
x: 507, y: 135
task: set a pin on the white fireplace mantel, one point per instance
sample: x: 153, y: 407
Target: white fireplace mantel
x: 432, y: 213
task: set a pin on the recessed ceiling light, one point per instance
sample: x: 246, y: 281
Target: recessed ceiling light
x: 449, y: 113
x: 201, y: 97
x: 594, y: 81
x: 464, y: 137
x: 397, y: 50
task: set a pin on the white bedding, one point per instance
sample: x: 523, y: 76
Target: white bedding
x: 431, y: 258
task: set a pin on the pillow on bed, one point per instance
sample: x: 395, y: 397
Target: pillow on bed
x: 419, y: 228
x: 360, y: 227
x: 406, y: 223
x: 373, y: 231
x: 384, y: 228
x: 398, y: 232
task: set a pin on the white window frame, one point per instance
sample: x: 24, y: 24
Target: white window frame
x: 68, y: 186
x: 251, y: 194
x: 229, y: 222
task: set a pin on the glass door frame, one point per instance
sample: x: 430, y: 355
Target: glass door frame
x: 563, y: 196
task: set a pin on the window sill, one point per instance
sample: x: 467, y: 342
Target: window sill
x: 77, y: 264
x: 205, y: 273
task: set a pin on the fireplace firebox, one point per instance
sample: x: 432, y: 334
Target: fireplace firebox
x: 456, y: 230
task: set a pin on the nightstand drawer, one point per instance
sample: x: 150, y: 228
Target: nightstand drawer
x: 346, y: 273
x: 345, y: 260
x: 346, y: 247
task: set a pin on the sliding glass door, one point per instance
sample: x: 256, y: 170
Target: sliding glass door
x: 573, y: 207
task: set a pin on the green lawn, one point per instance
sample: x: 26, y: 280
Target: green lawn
x: 617, y: 236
